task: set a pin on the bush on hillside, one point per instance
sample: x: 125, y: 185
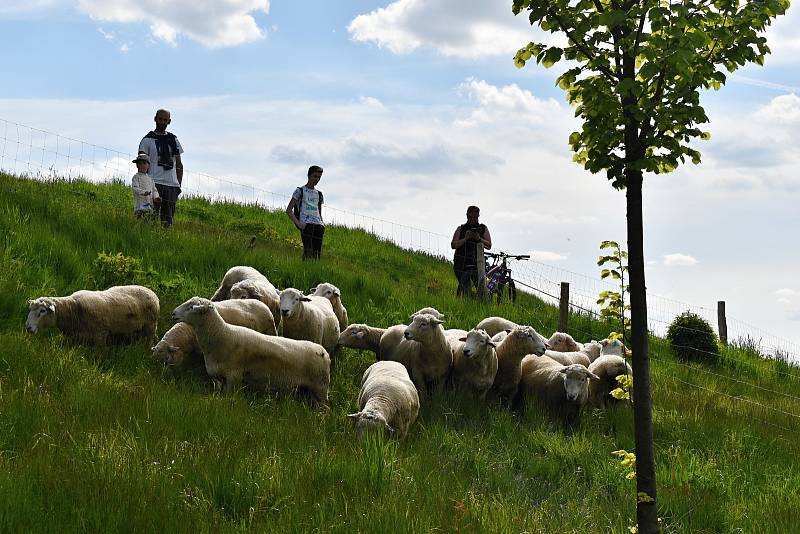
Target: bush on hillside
x: 115, y: 270
x: 693, y: 339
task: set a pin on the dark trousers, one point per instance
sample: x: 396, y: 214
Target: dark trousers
x: 467, y: 277
x: 312, y: 241
x: 169, y: 197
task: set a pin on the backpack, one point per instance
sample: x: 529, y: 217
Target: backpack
x: 296, y: 208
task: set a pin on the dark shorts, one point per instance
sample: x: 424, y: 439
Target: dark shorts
x: 312, y: 240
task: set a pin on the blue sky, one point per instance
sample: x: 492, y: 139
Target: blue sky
x: 416, y: 110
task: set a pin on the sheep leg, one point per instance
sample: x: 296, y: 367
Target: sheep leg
x: 232, y: 381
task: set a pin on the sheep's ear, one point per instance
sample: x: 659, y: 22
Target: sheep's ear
x: 153, y: 348
x: 201, y: 308
x: 462, y: 339
x: 547, y: 346
x: 354, y: 417
x: 563, y: 370
x: 359, y: 335
x: 336, y: 291
x: 172, y: 348
x: 305, y: 299
x: 51, y: 307
x: 438, y: 321
x: 593, y: 376
x: 604, y: 342
x: 491, y: 343
x: 389, y: 429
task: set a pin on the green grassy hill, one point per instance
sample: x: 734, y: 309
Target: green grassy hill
x: 105, y: 440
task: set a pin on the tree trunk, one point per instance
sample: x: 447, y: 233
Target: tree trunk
x: 646, y: 512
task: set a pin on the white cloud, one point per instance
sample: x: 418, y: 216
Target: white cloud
x: 125, y: 47
x: 678, y: 260
x: 213, y: 24
x: 457, y: 28
x: 372, y: 102
x: 783, y: 109
x: 787, y: 292
x: 511, y: 102
x: 546, y: 256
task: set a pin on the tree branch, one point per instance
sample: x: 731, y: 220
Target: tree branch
x: 581, y: 46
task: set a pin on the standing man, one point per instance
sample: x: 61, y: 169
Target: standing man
x: 465, y: 243
x: 305, y: 211
x: 166, y: 167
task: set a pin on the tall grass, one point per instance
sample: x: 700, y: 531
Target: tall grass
x: 103, y: 439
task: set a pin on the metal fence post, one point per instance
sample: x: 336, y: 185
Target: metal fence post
x: 563, y: 307
x: 722, y: 322
x: 481, y: 285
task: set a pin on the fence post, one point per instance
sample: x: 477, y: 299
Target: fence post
x: 563, y: 307
x: 722, y: 322
x: 481, y: 285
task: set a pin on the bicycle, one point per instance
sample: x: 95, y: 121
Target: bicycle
x: 498, y: 275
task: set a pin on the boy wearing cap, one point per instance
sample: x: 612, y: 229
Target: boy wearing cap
x: 145, y: 195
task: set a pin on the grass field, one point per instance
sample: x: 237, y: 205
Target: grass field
x: 104, y: 439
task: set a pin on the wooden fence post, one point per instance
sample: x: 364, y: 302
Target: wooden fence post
x: 481, y: 286
x: 722, y: 323
x: 563, y: 307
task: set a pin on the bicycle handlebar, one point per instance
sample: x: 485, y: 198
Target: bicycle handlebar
x: 504, y: 255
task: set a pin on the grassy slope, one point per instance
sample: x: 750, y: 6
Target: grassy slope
x: 103, y: 439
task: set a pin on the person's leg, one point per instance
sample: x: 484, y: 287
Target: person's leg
x: 460, y: 288
x: 316, y: 242
x: 306, y: 236
x: 169, y: 196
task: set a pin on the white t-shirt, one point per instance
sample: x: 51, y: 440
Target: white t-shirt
x: 144, y: 191
x: 158, y: 173
x: 309, y: 206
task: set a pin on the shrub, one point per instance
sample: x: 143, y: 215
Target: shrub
x: 115, y: 270
x: 693, y: 339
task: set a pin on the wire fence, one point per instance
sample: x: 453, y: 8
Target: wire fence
x: 29, y: 151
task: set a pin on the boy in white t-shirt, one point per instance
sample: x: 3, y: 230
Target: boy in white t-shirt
x: 305, y: 212
x: 145, y: 194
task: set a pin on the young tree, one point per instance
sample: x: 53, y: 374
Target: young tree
x: 636, y: 71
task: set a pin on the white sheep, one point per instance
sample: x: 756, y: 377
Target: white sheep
x: 332, y: 293
x: 235, y: 274
x: 430, y: 311
x: 584, y: 356
x: 514, y: 345
x: 178, y: 348
x: 614, y: 346
x: 435, y: 356
x: 361, y: 336
x: 118, y: 314
x: 474, y: 363
x: 388, y: 400
x: 562, y: 390
x: 395, y: 347
x: 259, y: 289
x: 309, y: 318
x: 563, y: 342
x: 607, y: 367
x: 235, y: 355
x: 494, y: 325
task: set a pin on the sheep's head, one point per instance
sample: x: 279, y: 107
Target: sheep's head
x: 327, y: 290
x: 353, y: 336
x: 614, y: 346
x: 167, y: 354
x: 41, y: 314
x: 563, y: 342
x: 193, y: 310
x: 576, y: 382
x: 593, y: 349
x: 292, y: 301
x: 369, y: 421
x: 477, y: 344
x: 245, y: 289
x: 422, y: 327
x: 528, y: 339
x: 430, y: 311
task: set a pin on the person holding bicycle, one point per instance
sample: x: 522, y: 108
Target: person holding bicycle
x: 465, y: 243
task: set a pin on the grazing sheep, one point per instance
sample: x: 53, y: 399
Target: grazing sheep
x: 258, y: 289
x: 614, y: 346
x: 309, y: 318
x: 563, y: 342
x: 178, y: 347
x: 474, y: 363
x: 118, y: 314
x: 388, y: 400
x: 430, y: 311
x: 608, y: 367
x: 235, y: 274
x: 584, y: 356
x: 435, y: 356
x: 561, y: 389
x: 361, y: 336
x: 332, y: 293
x: 494, y: 325
x: 235, y: 355
x: 514, y: 345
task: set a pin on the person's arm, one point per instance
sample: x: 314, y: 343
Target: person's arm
x: 290, y: 213
x: 456, y: 242
x: 487, y: 240
x: 179, y: 169
x: 136, y: 185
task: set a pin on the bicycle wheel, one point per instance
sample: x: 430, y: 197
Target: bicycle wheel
x: 512, y: 290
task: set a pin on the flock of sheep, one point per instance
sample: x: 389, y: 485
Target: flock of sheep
x: 233, y: 338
